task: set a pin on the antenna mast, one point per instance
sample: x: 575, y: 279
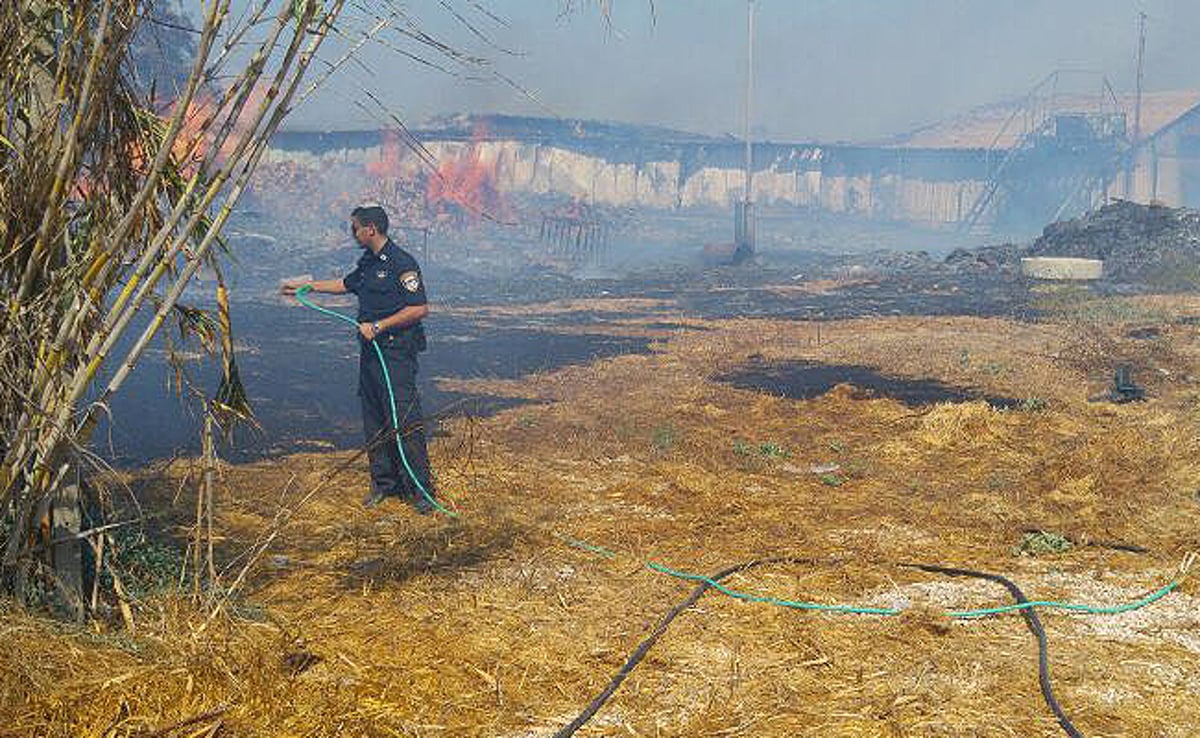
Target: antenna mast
x: 1135, y: 138
x: 749, y: 99
x: 1141, y: 58
x: 743, y: 213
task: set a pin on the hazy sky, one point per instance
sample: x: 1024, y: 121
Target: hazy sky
x: 827, y: 69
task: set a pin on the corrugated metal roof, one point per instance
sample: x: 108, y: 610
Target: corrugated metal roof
x: 984, y: 127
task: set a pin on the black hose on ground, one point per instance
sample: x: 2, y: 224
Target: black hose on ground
x: 640, y: 652
x: 1035, y: 626
x: 1031, y: 620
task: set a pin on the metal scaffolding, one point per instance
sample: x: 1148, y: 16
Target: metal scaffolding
x: 1064, y: 156
x: 577, y: 239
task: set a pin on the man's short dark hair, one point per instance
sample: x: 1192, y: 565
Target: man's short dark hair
x: 371, y: 215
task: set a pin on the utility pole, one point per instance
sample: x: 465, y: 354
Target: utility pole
x: 1141, y: 59
x: 743, y: 225
x: 1136, y: 139
x: 749, y: 99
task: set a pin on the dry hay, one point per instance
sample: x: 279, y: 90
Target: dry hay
x: 382, y: 623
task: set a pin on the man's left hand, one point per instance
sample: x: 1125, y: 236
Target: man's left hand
x: 367, y: 331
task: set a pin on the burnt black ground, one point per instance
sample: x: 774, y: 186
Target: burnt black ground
x: 880, y: 283
x: 804, y: 380
x: 300, y: 367
x: 300, y: 370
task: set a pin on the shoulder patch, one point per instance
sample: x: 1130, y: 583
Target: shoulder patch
x: 411, y: 281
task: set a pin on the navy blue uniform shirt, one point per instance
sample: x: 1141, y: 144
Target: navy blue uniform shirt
x: 386, y: 283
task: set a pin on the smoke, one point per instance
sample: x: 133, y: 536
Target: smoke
x: 828, y: 71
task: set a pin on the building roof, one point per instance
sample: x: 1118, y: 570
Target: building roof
x: 984, y: 127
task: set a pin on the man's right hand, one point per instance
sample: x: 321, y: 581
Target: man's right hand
x: 291, y: 285
x: 324, y: 286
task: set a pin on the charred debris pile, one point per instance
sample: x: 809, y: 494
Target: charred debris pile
x: 1150, y: 246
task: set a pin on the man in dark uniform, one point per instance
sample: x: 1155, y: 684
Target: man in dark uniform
x: 391, y: 305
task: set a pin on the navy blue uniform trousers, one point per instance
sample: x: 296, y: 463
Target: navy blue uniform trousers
x: 388, y: 473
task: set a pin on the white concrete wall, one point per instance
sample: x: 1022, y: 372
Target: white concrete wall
x: 541, y: 169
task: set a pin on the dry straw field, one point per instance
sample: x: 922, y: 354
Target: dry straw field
x: 510, y: 619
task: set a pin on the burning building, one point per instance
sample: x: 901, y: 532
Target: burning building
x: 1006, y: 168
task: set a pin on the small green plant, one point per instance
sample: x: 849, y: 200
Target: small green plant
x: 831, y: 480
x: 526, y: 420
x: 1032, y: 405
x: 1038, y: 543
x: 766, y: 450
x: 664, y: 437
x: 773, y: 451
x: 146, y: 565
x: 837, y: 446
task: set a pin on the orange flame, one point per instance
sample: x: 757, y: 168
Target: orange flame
x: 466, y: 183
x: 391, y: 155
x: 198, y: 133
x: 461, y: 190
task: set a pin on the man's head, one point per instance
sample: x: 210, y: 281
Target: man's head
x: 369, y: 224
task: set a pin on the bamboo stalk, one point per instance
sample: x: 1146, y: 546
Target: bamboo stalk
x: 119, y: 590
x: 135, y: 288
x: 87, y: 372
x: 53, y: 440
x: 69, y: 328
x: 209, y: 470
x: 98, y: 263
x: 162, y: 157
x: 198, y: 531
x: 150, y: 254
x: 212, y: 24
x: 98, y: 550
x: 67, y: 160
x: 50, y: 358
x: 130, y: 299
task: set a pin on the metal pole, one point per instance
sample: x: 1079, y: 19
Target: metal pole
x: 1131, y: 164
x: 1137, y: 102
x: 749, y: 97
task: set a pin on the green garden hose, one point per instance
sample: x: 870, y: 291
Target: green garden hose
x: 705, y: 582
x: 890, y: 611
x: 387, y: 380
x: 301, y: 294
x: 957, y: 614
